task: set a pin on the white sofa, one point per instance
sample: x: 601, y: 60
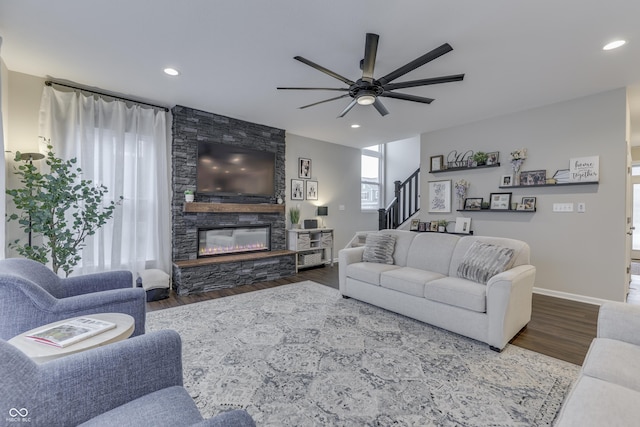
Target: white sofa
x: 423, y: 283
x: 607, y: 391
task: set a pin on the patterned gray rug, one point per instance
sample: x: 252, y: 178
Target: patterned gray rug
x: 301, y: 355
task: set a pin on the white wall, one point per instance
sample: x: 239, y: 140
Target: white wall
x: 337, y: 170
x: 402, y: 158
x: 576, y: 254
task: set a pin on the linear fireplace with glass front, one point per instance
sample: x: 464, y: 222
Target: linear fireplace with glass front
x: 233, y: 240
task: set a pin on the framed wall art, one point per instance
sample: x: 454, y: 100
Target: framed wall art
x: 538, y: 177
x: 527, y: 204
x: 493, y: 158
x: 440, y: 196
x: 436, y: 163
x: 506, y: 180
x: 304, y: 168
x: 500, y: 201
x: 297, y: 189
x: 312, y: 190
x: 473, y: 204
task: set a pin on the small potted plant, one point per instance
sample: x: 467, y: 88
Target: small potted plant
x: 485, y: 205
x: 442, y: 225
x: 294, y: 216
x: 480, y: 158
x: 188, y: 196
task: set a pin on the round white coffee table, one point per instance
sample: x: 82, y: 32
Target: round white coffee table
x: 43, y: 353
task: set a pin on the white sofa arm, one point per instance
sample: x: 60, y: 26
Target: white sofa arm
x: 619, y: 321
x: 509, y: 303
x: 345, y: 257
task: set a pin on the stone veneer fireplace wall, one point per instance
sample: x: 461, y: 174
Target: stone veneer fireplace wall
x: 189, y: 127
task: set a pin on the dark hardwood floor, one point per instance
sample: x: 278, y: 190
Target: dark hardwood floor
x: 559, y: 328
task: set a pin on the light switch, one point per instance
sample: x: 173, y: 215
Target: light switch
x: 341, y: 207
x: 563, y: 207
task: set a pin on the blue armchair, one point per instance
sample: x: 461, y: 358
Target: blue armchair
x: 135, y: 382
x: 31, y: 295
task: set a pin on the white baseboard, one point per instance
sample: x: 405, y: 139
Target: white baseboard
x: 569, y: 296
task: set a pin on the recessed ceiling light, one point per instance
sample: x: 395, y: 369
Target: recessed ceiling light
x: 614, y: 44
x: 171, y: 71
x: 355, y: 126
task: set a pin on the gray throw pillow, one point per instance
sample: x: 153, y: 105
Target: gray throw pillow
x: 379, y: 248
x: 483, y: 261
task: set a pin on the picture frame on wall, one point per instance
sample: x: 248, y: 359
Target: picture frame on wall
x: 463, y: 225
x: 527, y: 204
x: 312, y: 190
x: 415, y: 224
x: 297, y: 189
x: 304, y: 168
x: 473, y: 203
x: 436, y: 163
x: 433, y: 226
x: 500, y: 201
x: 538, y: 177
x: 440, y: 196
x: 493, y: 158
x: 506, y: 180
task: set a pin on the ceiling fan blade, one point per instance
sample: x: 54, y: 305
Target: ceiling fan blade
x: 324, y: 70
x: 326, y: 100
x: 349, y: 107
x: 406, y: 97
x: 425, y: 82
x: 419, y: 62
x: 313, y: 88
x: 381, y: 108
x: 369, y: 61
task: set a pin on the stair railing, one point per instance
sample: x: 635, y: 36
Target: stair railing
x: 404, y: 205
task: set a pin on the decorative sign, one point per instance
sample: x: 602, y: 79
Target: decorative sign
x: 584, y: 169
x: 457, y: 159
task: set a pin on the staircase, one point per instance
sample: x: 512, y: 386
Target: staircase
x: 405, y: 204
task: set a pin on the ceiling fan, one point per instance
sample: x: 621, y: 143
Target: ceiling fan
x: 367, y: 90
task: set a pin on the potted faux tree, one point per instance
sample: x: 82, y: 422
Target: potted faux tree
x: 61, y: 207
x: 294, y: 216
x: 442, y: 225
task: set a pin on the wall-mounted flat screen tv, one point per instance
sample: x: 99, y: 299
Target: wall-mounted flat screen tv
x: 229, y: 170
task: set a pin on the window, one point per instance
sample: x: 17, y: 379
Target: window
x: 371, y: 162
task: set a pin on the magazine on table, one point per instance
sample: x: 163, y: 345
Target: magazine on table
x: 70, y: 332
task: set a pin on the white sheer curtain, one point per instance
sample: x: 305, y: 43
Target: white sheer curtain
x: 126, y: 149
x: 3, y: 197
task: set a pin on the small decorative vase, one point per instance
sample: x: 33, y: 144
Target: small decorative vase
x: 441, y: 228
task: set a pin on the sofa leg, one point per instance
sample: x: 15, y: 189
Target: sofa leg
x: 496, y: 349
x: 346, y: 297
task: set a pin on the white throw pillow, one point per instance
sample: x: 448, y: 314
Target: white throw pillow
x: 482, y: 261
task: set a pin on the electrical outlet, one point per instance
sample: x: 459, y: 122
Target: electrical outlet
x: 341, y: 208
x: 582, y: 207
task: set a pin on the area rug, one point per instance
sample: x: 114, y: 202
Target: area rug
x: 301, y: 355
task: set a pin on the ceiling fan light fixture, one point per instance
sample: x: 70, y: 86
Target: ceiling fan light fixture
x: 614, y: 44
x: 366, y: 99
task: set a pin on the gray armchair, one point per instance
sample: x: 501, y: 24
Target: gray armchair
x: 31, y: 295
x: 135, y: 382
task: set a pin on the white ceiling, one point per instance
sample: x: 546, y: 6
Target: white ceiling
x: 233, y: 54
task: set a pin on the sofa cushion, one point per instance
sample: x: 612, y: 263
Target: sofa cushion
x: 432, y: 252
x: 379, y: 248
x: 368, y: 272
x: 611, y: 360
x: 595, y: 403
x: 483, y: 261
x: 457, y: 292
x: 408, y: 280
x: 404, y: 239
